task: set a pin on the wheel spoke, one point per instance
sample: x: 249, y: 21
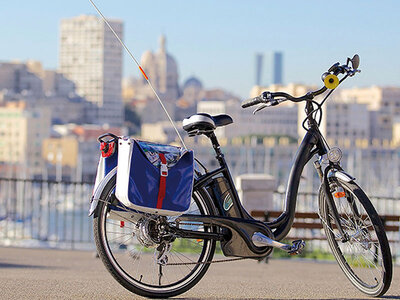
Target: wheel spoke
x: 117, y: 224
x: 118, y: 237
x: 134, y: 249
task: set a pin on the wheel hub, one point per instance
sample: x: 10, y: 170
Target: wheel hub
x: 361, y: 236
x: 147, y: 232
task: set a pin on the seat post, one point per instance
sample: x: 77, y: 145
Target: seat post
x: 217, y: 148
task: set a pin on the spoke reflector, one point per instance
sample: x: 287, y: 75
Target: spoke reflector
x: 340, y: 194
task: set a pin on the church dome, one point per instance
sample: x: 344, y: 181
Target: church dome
x: 172, y: 67
x: 165, y: 59
x: 147, y: 58
x: 162, y: 69
x: 192, y: 82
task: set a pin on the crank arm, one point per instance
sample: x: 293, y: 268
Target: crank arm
x: 260, y: 240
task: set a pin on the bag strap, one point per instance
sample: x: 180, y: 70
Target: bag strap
x: 163, y: 180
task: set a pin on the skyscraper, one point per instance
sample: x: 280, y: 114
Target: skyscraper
x: 91, y: 56
x: 277, y: 68
x: 259, y: 67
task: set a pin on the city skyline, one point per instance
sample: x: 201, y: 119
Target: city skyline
x: 215, y: 44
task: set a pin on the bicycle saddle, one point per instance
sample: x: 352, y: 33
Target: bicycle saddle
x: 205, y: 122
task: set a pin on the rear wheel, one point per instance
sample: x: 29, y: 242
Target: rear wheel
x: 364, y: 253
x: 127, y: 243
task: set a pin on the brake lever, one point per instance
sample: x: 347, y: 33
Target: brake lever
x: 354, y: 72
x: 260, y: 107
x: 334, y: 67
x: 270, y: 102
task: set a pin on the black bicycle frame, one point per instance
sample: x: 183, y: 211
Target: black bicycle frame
x: 219, y: 184
x: 312, y: 144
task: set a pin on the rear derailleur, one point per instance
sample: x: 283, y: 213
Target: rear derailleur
x: 161, y: 255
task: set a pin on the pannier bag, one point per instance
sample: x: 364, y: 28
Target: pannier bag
x: 154, y: 178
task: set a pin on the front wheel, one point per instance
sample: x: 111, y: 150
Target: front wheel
x: 363, y: 253
x: 128, y: 244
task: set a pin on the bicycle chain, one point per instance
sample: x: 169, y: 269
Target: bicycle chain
x: 206, y: 262
x: 196, y: 263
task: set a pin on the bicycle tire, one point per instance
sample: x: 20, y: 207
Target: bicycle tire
x: 363, y: 232
x: 138, y: 285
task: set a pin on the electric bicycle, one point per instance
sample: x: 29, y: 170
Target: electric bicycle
x: 159, y: 256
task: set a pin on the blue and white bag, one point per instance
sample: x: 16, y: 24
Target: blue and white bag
x: 152, y: 178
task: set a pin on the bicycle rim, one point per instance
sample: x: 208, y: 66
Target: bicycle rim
x: 365, y: 258
x: 134, y: 263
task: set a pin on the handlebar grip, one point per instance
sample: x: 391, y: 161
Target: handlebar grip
x: 251, y: 102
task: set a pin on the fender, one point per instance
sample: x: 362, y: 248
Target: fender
x: 341, y: 175
x: 99, y: 190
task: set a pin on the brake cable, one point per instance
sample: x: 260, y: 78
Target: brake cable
x: 319, y: 106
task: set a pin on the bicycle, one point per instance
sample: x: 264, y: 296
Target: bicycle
x: 158, y: 256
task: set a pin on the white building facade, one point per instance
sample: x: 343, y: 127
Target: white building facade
x: 22, y: 131
x: 91, y: 56
x: 275, y: 121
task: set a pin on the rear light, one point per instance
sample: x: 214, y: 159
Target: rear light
x: 107, y: 148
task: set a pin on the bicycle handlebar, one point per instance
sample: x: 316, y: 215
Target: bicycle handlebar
x: 251, y: 102
x: 268, y: 98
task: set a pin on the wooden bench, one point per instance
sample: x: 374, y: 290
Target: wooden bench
x: 311, y: 220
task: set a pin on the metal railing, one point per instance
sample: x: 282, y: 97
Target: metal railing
x: 45, y: 213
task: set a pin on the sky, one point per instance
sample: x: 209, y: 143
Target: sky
x: 216, y: 41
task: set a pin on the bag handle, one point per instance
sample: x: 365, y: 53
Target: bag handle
x: 113, y: 138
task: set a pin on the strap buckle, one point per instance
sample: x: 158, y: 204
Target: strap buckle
x: 164, y: 170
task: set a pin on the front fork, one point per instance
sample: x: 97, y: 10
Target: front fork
x: 323, y: 175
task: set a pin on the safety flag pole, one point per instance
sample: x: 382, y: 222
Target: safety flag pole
x: 141, y: 70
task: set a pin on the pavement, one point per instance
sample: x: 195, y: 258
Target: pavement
x: 59, y: 274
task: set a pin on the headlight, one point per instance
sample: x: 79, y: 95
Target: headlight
x: 335, y: 155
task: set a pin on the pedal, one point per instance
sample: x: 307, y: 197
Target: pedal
x: 297, y: 247
x: 260, y: 240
